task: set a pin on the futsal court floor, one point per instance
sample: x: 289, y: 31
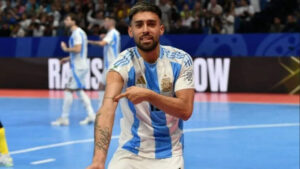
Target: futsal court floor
x: 226, y: 131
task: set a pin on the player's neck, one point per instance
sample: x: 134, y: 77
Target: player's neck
x: 73, y: 28
x: 150, y: 56
x: 110, y: 28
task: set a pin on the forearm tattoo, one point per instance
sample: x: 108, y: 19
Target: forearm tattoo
x: 102, y: 136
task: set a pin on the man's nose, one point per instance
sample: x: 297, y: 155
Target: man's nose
x: 145, y: 28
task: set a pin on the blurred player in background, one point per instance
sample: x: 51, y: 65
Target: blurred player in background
x: 79, y: 66
x: 5, y: 159
x: 158, y: 96
x: 112, y: 44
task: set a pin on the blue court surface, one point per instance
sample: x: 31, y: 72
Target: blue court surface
x: 219, y: 135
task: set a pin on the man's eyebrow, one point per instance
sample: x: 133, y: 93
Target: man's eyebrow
x: 141, y: 21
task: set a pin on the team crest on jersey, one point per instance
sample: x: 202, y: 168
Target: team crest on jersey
x: 140, y: 80
x: 166, y: 84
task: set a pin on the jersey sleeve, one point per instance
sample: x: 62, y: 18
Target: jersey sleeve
x: 186, y: 76
x: 122, y: 66
x: 77, y: 38
x: 108, y: 38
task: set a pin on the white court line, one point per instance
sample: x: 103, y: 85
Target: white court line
x: 242, y: 127
x: 43, y: 161
x: 55, y: 145
x: 245, y: 102
x: 185, y: 131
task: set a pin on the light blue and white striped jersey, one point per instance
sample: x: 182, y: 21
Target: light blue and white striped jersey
x: 146, y: 130
x: 78, y: 60
x: 112, y: 48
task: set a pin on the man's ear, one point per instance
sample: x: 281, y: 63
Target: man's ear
x: 162, y: 29
x: 130, y: 31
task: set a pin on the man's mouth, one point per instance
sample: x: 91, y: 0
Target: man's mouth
x: 146, y: 39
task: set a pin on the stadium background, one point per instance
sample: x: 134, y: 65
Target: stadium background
x: 264, y: 63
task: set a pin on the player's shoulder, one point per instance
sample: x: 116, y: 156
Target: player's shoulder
x: 113, y: 32
x: 116, y: 31
x: 175, y: 54
x: 82, y: 31
x: 125, y: 57
x: 128, y: 52
x: 78, y: 32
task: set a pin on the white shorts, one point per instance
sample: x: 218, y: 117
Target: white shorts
x: 124, y: 159
x: 77, y: 79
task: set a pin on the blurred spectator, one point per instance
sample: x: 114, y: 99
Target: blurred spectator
x: 174, y: 12
x: 214, y: 9
x: 291, y: 25
x: 49, y: 30
x: 25, y: 21
x: 276, y: 26
x: 122, y: 27
x: 217, y: 26
x: 38, y: 30
x: 17, y: 31
x: 95, y: 30
x: 256, y: 5
x: 20, y: 7
x: 6, y: 5
x: 179, y: 4
x: 185, y: 11
x: 199, y: 15
x: 5, y: 31
x: 244, y: 12
x: 32, y: 6
x: 1, y: 6
x: 166, y: 14
x: 56, y: 14
x: 196, y: 27
x: 228, y: 19
x: 98, y: 20
x: 66, y: 9
x: 187, y: 16
x: 198, y: 11
x: 178, y: 28
x: 44, y: 17
x: 100, y: 5
x: 228, y: 5
x: 123, y: 10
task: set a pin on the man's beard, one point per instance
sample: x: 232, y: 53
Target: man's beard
x: 146, y: 48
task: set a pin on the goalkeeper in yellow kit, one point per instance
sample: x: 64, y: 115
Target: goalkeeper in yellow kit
x: 5, y: 159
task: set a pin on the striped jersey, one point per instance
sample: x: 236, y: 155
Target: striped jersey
x: 78, y: 60
x: 112, y: 49
x: 146, y: 130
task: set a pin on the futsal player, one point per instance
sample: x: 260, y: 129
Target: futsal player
x: 111, y: 42
x: 157, y: 97
x: 5, y: 159
x: 79, y: 66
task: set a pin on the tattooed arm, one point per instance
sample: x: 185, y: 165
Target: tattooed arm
x: 105, y: 119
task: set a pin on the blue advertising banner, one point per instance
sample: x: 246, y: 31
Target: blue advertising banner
x: 236, y: 45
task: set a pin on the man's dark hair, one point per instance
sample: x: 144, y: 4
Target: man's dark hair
x: 144, y: 7
x: 73, y: 17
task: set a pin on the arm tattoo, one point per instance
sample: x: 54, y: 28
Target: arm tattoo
x: 102, y: 136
